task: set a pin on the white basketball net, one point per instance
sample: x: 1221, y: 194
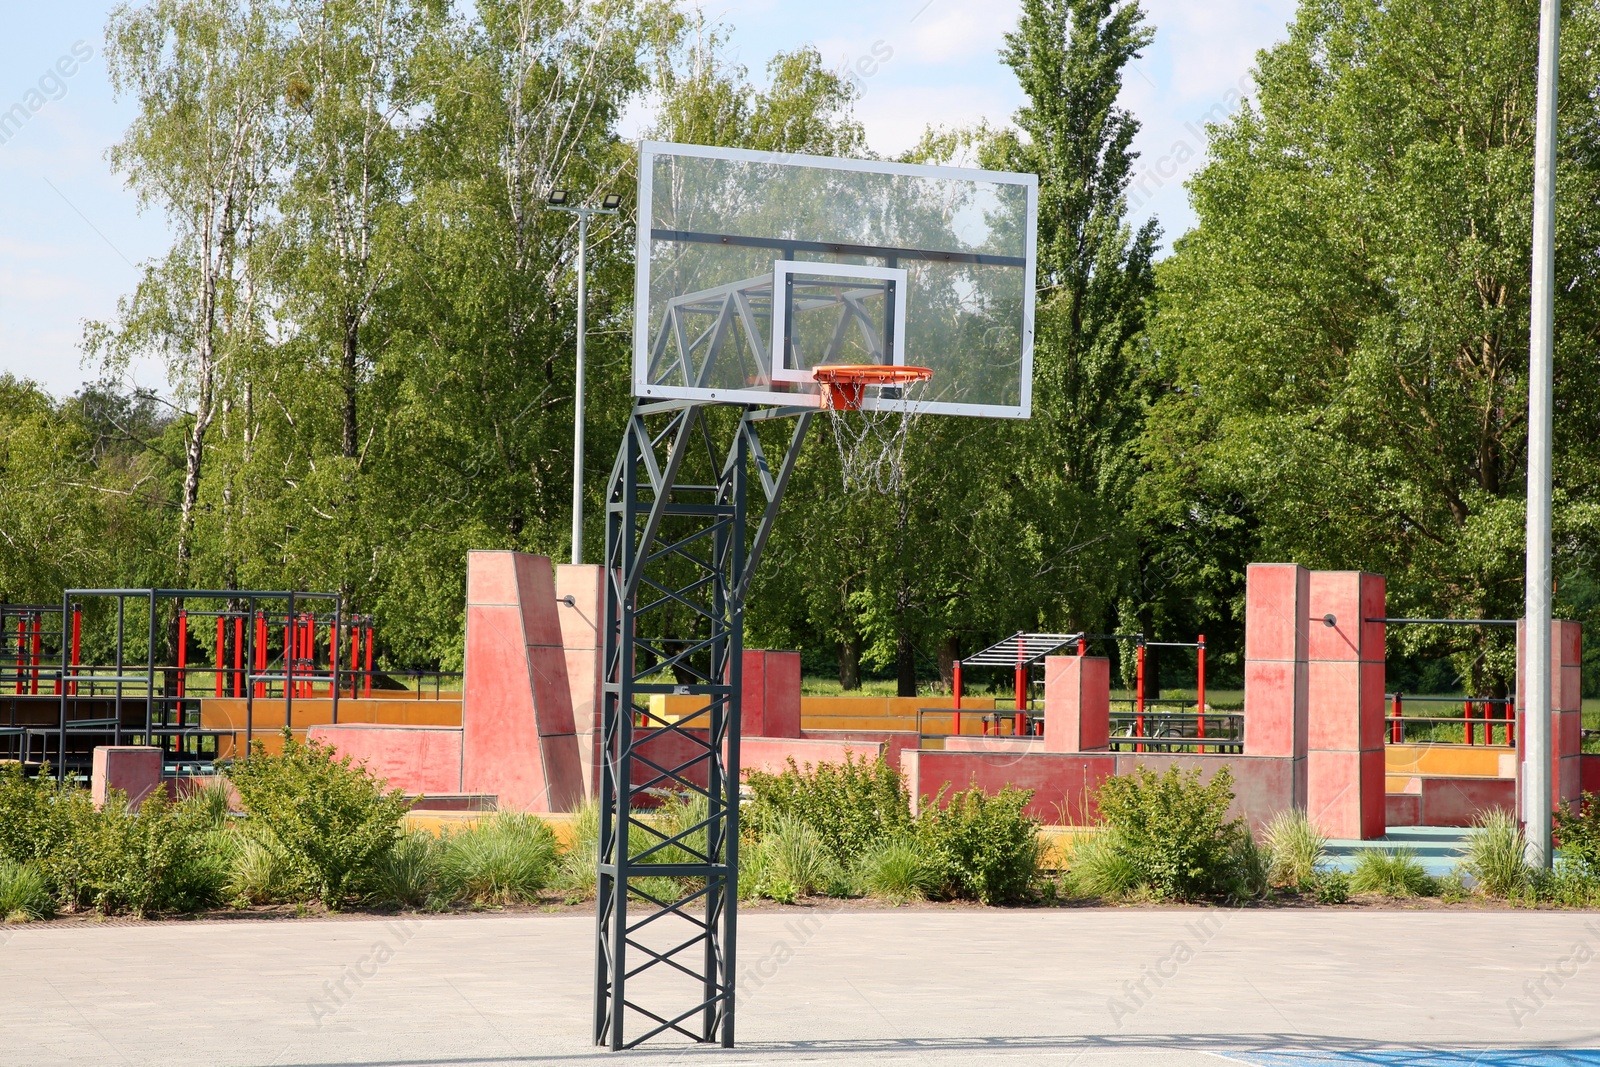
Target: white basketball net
x: 872, y: 444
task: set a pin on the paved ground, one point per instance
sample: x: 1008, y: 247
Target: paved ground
x: 918, y: 987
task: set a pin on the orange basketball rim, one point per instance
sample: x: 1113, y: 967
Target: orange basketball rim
x: 845, y: 384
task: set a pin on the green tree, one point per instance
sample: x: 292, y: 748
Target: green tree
x: 1346, y: 329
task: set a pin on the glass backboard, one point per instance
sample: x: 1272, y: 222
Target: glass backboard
x: 754, y: 268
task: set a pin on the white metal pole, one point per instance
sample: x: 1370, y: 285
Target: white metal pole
x: 1536, y: 793
x: 577, y: 404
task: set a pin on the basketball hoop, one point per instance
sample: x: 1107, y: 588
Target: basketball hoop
x: 871, y: 443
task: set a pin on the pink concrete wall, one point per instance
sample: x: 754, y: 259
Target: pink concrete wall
x: 1566, y: 707
x: 1276, y: 680
x: 891, y: 742
x: 1345, y: 775
x: 1589, y: 772
x: 519, y: 740
x: 772, y: 754
x: 1077, y: 703
x: 1457, y: 801
x: 991, y: 743
x: 1063, y: 783
x: 581, y: 638
x: 417, y: 759
x: 134, y: 769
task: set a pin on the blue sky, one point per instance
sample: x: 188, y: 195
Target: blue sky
x: 71, y: 235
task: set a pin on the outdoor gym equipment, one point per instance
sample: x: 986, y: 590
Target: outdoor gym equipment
x: 1397, y: 720
x: 769, y: 286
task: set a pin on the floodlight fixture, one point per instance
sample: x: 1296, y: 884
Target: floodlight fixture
x: 611, y: 202
x: 557, y: 198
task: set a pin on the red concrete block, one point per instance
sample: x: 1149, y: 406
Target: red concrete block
x: 1589, y: 773
x: 580, y: 636
x: 1333, y: 702
x: 519, y: 739
x: 753, y: 695
x: 1402, y: 809
x: 417, y: 759
x: 1566, y: 689
x: 1077, y: 703
x: 1456, y: 801
x: 783, y: 694
x: 1566, y: 782
x: 1275, y: 611
x: 1351, y: 597
x: 1566, y: 733
x: 1567, y: 642
x: 134, y: 769
x: 1275, y: 708
x: 1374, y: 780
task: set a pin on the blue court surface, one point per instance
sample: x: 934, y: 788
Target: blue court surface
x: 1426, y: 1058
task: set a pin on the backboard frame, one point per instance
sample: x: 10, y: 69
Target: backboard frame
x: 785, y: 269
x: 644, y: 390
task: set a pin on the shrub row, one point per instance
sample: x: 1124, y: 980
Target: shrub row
x: 315, y: 828
x: 1168, y: 837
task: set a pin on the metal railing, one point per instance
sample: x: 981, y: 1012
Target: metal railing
x: 1480, y: 721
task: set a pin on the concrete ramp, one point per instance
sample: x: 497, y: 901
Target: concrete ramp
x: 518, y: 735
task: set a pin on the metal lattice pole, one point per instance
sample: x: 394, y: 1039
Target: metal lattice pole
x: 679, y: 558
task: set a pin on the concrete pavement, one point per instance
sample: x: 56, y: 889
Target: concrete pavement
x: 1103, y: 987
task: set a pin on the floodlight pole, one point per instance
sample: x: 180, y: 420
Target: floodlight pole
x: 1536, y: 785
x: 583, y: 214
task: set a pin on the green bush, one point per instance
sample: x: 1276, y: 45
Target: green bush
x: 36, y: 814
x: 1175, y: 831
x: 1569, y: 885
x: 258, y: 873
x: 896, y: 871
x: 212, y: 802
x: 578, y: 869
x: 1394, y: 873
x: 1296, y: 847
x: 1578, y: 834
x: 407, y: 873
x: 1331, y: 887
x: 1100, y: 867
x: 332, y: 819
x: 851, y: 805
x: 24, y: 893
x: 982, y: 847
x: 159, y: 858
x: 1249, y: 873
x: 793, y: 861
x: 1496, y: 854
x: 504, y: 859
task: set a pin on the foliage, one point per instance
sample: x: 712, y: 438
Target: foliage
x: 1099, y: 867
x: 504, y: 859
x: 982, y: 846
x: 850, y: 806
x: 1496, y: 853
x: 1578, y: 834
x: 1346, y: 329
x: 578, y: 870
x: 258, y: 873
x: 792, y: 861
x: 1296, y: 847
x: 407, y: 874
x: 212, y: 803
x: 1175, y: 831
x: 331, y: 819
x: 24, y: 893
x: 1568, y: 885
x: 115, y: 859
x: 1331, y: 887
x: 896, y: 871
x: 1393, y: 872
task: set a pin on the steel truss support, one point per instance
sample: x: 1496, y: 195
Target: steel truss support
x: 679, y: 559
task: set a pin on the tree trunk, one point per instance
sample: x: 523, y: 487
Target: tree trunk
x: 905, y: 665
x: 849, y: 652
x: 352, y: 327
x: 949, y: 649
